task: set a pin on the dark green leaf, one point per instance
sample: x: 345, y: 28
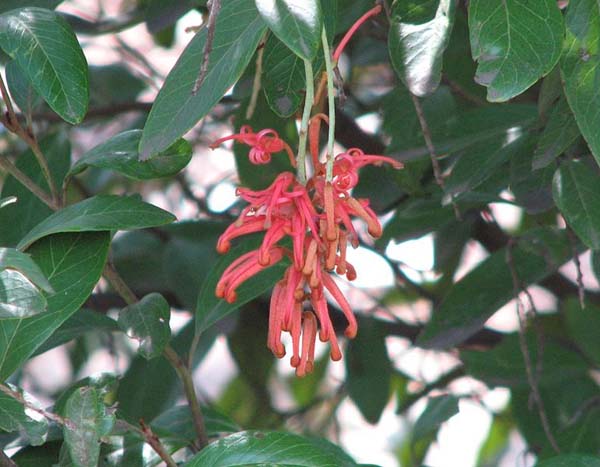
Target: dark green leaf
x: 571, y: 460
x: 91, y: 420
x: 176, y: 109
x: 120, y: 153
x: 19, y: 298
x: 211, y: 309
x: 176, y: 423
x: 297, y: 23
x: 478, y: 295
x: 581, y: 325
x: 14, y: 419
x: 270, y: 448
x: 40, y: 456
x: 515, y: 43
x: 105, y: 384
x: 113, y: 84
x: 19, y: 218
x: 560, y: 132
x: 73, y: 264
x: 369, y: 370
x: 102, y: 212
x: 532, y: 188
x: 579, y: 68
x: 20, y: 89
x: 577, y: 194
x: 439, y: 409
x: 419, y: 34
x: 14, y: 4
x: 497, y: 442
x: 148, y: 322
x: 15, y: 259
x: 46, y: 49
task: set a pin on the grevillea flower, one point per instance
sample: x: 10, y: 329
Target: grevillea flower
x: 262, y: 144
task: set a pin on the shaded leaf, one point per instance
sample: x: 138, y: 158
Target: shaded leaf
x: 560, y: 132
x: 419, y: 35
x: 515, y: 42
x: 21, y: 90
x: 369, y: 370
x: 102, y: 212
x: 439, y: 409
x: 297, y: 23
x: 113, y: 84
x: 176, y: 109
x: 579, y: 68
x: 260, y: 448
x: 120, y: 153
x: 577, y: 195
x: 148, y: 322
x: 13, y: 4
x: 15, y: 418
x: 175, y: 424
x: 73, y: 264
x: 19, y: 297
x: 15, y: 259
x: 489, y: 286
x: 571, y: 460
x: 47, y: 51
x: 581, y: 325
x: 91, y: 420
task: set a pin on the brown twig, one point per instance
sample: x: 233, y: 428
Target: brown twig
x: 6, y: 461
x: 437, y: 170
x: 49, y: 415
x: 531, y: 377
x: 215, y: 6
x: 155, y: 443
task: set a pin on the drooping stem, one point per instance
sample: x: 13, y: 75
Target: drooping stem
x: 331, y: 105
x: 308, y: 103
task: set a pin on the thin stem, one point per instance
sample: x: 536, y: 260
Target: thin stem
x: 256, y: 83
x: 27, y: 182
x: 190, y: 393
x: 437, y: 171
x: 331, y: 105
x: 308, y: 102
x: 49, y: 415
x: 155, y: 443
x: 11, y: 122
x: 117, y: 282
x: 215, y: 6
x: 340, y: 48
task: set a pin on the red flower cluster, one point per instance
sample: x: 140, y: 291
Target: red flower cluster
x: 318, y: 218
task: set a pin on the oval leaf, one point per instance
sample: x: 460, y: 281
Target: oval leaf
x: 120, y: 153
x: 47, y: 51
x: 73, y: 264
x: 297, y: 23
x: 271, y: 448
x: 176, y: 109
x: 515, y: 43
x: 19, y: 298
x: 580, y: 68
x: 148, y: 322
x: 104, y: 212
x: 417, y: 40
x: 577, y: 195
x: 14, y: 259
x: 439, y: 409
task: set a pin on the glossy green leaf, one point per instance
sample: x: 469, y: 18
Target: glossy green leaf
x: 14, y: 4
x: 15, y: 259
x: 580, y: 68
x: 211, y: 309
x: 369, y: 370
x: 19, y: 218
x: 176, y: 109
x: 19, y: 297
x: 73, y: 264
x: 270, y: 448
x: 297, y: 23
x: 439, y: 409
x: 560, y: 132
x: 516, y: 42
x: 120, y: 153
x: 419, y: 35
x: 577, y: 195
x: 102, y: 212
x: 571, y: 460
x: 489, y: 286
x: 148, y: 322
x: 46, y: 49
x: 13, y: 418
x: 21, y: 90
x: 90, y: 420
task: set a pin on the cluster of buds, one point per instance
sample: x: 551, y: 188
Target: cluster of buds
x: 317, y: 216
